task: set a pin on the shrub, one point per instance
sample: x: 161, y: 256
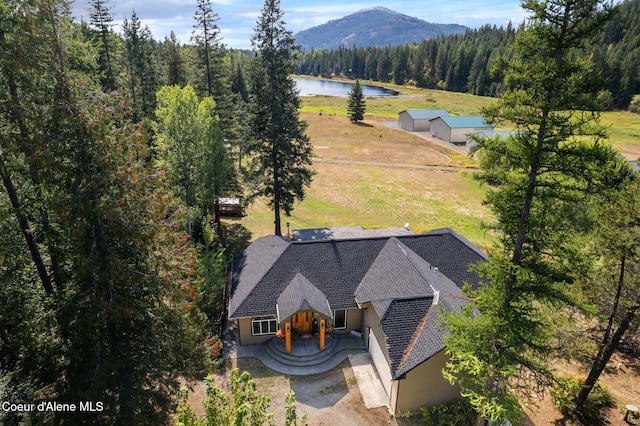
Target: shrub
x: 565, y: 392
x: 451, y: 413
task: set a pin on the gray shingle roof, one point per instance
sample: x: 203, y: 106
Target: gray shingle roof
x: 392, y: 266
x: 397, y: 275
x: 301, y: 295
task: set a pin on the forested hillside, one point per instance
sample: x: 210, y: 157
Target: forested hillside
x: 464, y: 63
x: 377, y: 26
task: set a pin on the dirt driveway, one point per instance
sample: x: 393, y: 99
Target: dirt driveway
x: 330, y: 398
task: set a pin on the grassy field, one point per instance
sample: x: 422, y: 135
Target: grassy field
x: 362, y: 191
x: 408, y: 98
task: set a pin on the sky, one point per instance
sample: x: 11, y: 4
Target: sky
x: 238, y: 17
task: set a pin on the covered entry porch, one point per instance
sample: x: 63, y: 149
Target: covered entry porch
x: 303, y: 311
x: 303, y: 330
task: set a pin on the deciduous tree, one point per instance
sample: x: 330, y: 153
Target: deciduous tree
x: 191, y: 146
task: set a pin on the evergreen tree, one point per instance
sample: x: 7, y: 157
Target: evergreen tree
x: 175, y: 72
x: 616, y: 243
x: 213, y: 59
x: 356, y: 104
x: 100, y: 14
x: 545, y: 175
x: 142, y: 67
x: 119, y: 326
x: 282, y: 151
x: 206, y: 36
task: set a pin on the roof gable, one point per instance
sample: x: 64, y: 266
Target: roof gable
x: 392, y: 275
x: 301, y: 295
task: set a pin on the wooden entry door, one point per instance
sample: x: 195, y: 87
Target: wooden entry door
x: 304, y: 321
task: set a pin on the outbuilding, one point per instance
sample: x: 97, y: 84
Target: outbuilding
x: 456, y: 129
x: 419, y: 120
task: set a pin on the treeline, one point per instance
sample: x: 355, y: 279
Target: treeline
x: 466, y: 62
x: 114, y: 152
x: 460, y: 63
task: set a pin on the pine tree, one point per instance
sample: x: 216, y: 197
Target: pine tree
x: 175, y: 72
x: 544, y: 178
x: 141, y: 67
x: 206, y: 36
x: 282, y: 151
x: 101, y: 18
x: 616, y: 243
x: 356, y: 104
x: 120, y: 327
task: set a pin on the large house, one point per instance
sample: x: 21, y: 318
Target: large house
x: 388, y: 289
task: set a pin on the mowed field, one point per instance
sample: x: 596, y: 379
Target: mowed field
x: 376, y: 176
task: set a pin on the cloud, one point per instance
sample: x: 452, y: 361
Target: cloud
x: 237, y: 18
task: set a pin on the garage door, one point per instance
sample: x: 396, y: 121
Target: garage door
x: 380, y: 363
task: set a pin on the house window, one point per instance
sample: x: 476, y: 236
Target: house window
x: 340, y: 318
x: 263, y: 325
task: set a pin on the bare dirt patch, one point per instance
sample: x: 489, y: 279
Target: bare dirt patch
x: 330, y: 398
x: 623, y: 384
x: 333, y: 397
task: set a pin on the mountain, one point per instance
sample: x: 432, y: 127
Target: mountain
x: 372, y: 27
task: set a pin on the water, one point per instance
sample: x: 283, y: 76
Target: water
x: 310, y: 87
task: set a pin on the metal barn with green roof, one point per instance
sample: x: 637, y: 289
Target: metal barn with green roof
x: 419, y: 120
x: 455, y: 129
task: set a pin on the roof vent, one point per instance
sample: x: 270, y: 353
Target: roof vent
x: 435, y: 270
x: 406, y: 226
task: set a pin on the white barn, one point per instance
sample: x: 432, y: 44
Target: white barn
x: 456, y: 129
x: 419, y: 120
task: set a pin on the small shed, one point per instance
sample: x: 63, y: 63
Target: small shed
x: 419, y: 120
x: 231, y: 206
x: 456, y: 129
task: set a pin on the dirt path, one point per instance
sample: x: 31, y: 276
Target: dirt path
x: 396, y: 165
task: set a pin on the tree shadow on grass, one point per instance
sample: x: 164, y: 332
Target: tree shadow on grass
x: 361, y: 124
x: 237, y: 237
